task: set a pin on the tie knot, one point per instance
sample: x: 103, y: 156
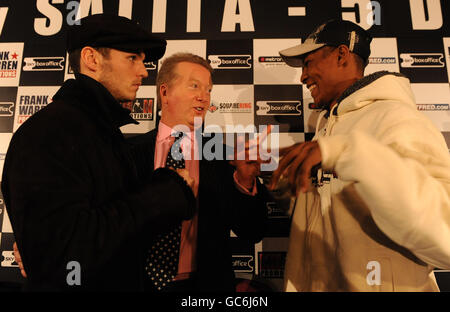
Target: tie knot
x: 177, y: 135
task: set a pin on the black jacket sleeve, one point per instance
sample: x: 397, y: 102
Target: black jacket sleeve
x: 248, y: 213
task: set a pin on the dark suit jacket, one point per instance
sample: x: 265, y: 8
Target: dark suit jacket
x: 221, y: 208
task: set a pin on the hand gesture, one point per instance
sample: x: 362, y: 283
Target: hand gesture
x: 248, y: 161
x: 296, y: 164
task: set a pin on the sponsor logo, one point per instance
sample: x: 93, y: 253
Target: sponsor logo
x: 422, y: 60
x: 212, y: 108
x: 271, y: 61
x: 243, y: 263
x: 279, y: 108
x: 313, y: 105
x: 8, y: 259
x: 150, y: 65
x: 382, y: 60
x: 235, y: 107
x: 8, y: 64
x: 230, y: 61
x: 274, y: 211
x: 43, y: 63
x: 30, y: 104
x: 141, y: 108
x: 271, y: 264
x: 433, y: 107
x: 6, y: 109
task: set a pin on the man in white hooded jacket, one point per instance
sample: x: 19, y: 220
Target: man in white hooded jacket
x: 372, y: 211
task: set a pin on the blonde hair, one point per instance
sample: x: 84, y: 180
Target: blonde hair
x: 167, y: 74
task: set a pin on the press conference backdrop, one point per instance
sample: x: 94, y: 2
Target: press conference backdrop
x: 252, y: 85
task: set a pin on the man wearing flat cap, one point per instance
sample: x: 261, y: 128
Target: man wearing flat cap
x: 78, y: 212
x: 373, y: 186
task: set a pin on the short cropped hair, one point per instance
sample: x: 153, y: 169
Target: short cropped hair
x: 167, y: 74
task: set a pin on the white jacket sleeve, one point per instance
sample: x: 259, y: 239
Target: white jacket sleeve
x: 404, y: 178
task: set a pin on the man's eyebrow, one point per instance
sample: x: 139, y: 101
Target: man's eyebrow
x: 196, y: 80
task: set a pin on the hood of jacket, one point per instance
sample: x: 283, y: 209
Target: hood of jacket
x: 395, y: 86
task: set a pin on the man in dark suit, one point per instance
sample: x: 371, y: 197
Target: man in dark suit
x: 229, y: 196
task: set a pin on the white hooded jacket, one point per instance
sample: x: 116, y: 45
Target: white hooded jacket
x: 383, y: 221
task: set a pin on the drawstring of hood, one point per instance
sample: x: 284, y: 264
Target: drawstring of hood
x: 324, y: 178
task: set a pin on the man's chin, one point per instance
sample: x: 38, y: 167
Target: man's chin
x: 126, y: 99
x: 196, y: 122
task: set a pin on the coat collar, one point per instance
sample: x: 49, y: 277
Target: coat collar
x: 94, y: 99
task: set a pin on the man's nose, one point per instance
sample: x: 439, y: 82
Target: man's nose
x: 142, y: 70
x: 203, y: 95
x: 304, y: 76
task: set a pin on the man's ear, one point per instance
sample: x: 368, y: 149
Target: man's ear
x: 163, y: 89
x: 343, y: 54
x: 90, y: 59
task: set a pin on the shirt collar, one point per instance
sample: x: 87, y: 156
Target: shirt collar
x: 165, y: 132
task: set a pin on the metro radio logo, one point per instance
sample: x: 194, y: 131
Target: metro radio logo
x: 270, y: 59
x: 141, y: 108
x: 230, y: 61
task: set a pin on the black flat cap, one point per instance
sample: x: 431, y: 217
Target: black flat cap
x: 117, y: 32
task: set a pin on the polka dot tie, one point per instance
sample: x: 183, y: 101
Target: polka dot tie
x: 162, y: 260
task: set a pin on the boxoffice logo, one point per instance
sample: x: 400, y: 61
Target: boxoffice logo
x: 6, y: 109
x: 150, y: 65
x: 284, y: 108
x: 382, y: 60
x: 8, y: 259
x: 230, y: 61
x: 43, y: 63
x: 433, y: 107
x: 141, y: 108
x: 271, y: 61
x: 243, y: 263
x: 422, y: 60
x: 234, y: 107
x: 8, y: 64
